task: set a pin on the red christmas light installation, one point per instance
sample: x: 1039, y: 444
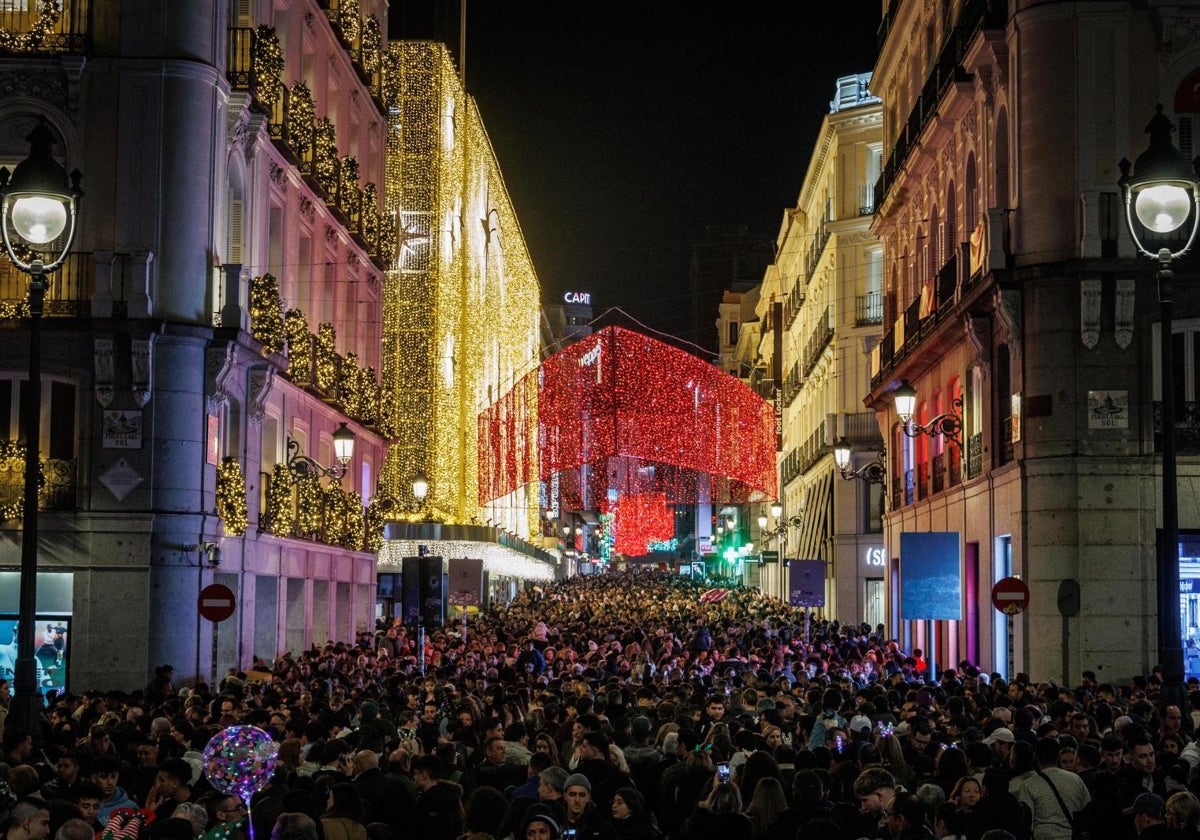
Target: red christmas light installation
x: 629, y: 413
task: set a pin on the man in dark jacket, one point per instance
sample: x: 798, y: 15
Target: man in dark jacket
x: 605, y: 777
x: 387, y: 799
x: 582, y: 814
x: 439, y: 813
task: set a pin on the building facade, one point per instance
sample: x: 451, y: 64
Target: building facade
x: 820, y: 303
x: 1014, y: 304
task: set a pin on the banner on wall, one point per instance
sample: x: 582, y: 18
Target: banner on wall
x: 806, y: 583
x: 466, y: 582
x: 931, y: 575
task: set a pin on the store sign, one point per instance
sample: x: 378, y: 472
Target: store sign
x: 876, y: 558
x: 1189, y: 586
x: 583, y: 298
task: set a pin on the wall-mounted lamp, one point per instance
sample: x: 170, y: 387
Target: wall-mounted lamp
x: 302, y: 466
x: 872, y: 472
x: 948, y: 424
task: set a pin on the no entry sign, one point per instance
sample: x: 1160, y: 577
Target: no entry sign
x: 217, y: 602
x: 1010, y: 595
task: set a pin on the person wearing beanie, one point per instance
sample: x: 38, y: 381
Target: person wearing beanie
x: 582, y: 814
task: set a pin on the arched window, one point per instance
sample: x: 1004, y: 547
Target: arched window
x: 935, y: 243
x: 971, y: 196
x: 949, y: 228
x: 1002, y: 191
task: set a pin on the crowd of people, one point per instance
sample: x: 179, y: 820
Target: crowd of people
x: 620, y: 706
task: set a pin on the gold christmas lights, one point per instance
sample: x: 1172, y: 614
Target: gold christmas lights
x: 326, y: 360
x: 266, y: 66
x: 299, y: 347
x: 280, y: 516
x: 372, y: 44
x: 231, y: 497
x: 49, y: 13
x: 460, y: 308
x: 325, y: 159
x: 266, y: 313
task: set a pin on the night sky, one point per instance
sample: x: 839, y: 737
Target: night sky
x: 624, y: 128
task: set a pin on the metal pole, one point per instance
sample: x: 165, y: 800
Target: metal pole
x: 25, y: 714
x: 1169, y: 644
x: 421, y: 647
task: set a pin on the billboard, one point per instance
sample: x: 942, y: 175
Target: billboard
x: 50, y: 650
x: 806, y: 583
x: 931, y: 575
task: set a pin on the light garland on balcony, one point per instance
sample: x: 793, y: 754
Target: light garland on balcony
x: 280, y: 516
x: 325, y: 157
x: 326, y: 359
x: 299, y: 347
x: 49, y: 14
x: 349, y: 20
x: 301, y: 118
x: 266, y: 65
x: 372, y: 45
x: 231, y: 497
x: 266, y: 313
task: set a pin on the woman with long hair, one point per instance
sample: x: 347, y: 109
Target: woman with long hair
x: 892, y: 752
x: 544, y: 742
x: 631, y: 819
x: 766, y: 804
x: 719, y: 815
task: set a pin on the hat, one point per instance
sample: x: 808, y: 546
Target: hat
x: 556, y: 777
x: 860, y: 723
x: 1003, y: 735
x: 540, y: 813
x: 1150, y: 804
x: 578, y: 780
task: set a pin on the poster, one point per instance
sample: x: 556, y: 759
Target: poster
x: 50, y: 648
x: 806, y: 583
x: 931, y: 575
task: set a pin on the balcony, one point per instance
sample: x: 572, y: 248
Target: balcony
x: 939, y: 472
x: 71, y: 287
x: 896, y: 496
x: 954, y: 476
x: 868, y: 309
x: 795, y: 301
x: 946, y: 70
x: 817, y: 248
x: 975, y: 455
x: 818, y: 340
x: 45, y: 27
x: 939, y: 299
x: 57, y: 490
x: 922, y: 480
x: 866, y: 199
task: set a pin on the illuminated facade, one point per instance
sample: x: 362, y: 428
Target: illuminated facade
x: 460, y: 314
x: 821, y: 299
x: 1011, y: 286
x: 224, y: 299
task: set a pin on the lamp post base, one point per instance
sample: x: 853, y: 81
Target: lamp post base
x: 25, y: 709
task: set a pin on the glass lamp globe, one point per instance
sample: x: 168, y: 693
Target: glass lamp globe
x: 38, y: 219
x: 420, y: 487
x: 762, y: 521
x: 343, y: 444
x: 906, y: 401
x: 776, y: 510
x: 841, y: 453
x: 1162, y: 208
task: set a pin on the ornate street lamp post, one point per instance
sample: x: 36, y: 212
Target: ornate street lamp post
x: 37, y: 206
x: 1162, y: 211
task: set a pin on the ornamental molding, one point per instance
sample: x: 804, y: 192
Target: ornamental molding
x: 1178, y: 32
x: 976, y: 329
x: 104, y: 367
x: 259, y: 385
x: 141, y: 368
x: 218, y: 370
x: 1123, y: 314
x: 1007, y: 307
x: 1090, y: 296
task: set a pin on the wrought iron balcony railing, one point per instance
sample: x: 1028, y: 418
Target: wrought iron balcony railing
x: 45, y: 27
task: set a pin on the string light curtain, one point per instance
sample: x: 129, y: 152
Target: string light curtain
x: 632, y: 413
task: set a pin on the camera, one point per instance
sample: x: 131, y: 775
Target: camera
x: 723, y: 773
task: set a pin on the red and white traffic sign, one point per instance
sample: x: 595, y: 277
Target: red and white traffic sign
x: 217, y: 602
x: 1010, y: 595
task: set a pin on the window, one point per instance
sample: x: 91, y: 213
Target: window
x: 57, y: 437
x: 733, y: 332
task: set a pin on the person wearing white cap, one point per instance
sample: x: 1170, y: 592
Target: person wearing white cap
x: 1001, y: 741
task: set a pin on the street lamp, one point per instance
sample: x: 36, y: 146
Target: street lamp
x: 420, y: 487
x: 1162, y: 195
x: 872, y: 472
x: 37, y: 208
x: 948, y: 424
x: 302, y: 466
